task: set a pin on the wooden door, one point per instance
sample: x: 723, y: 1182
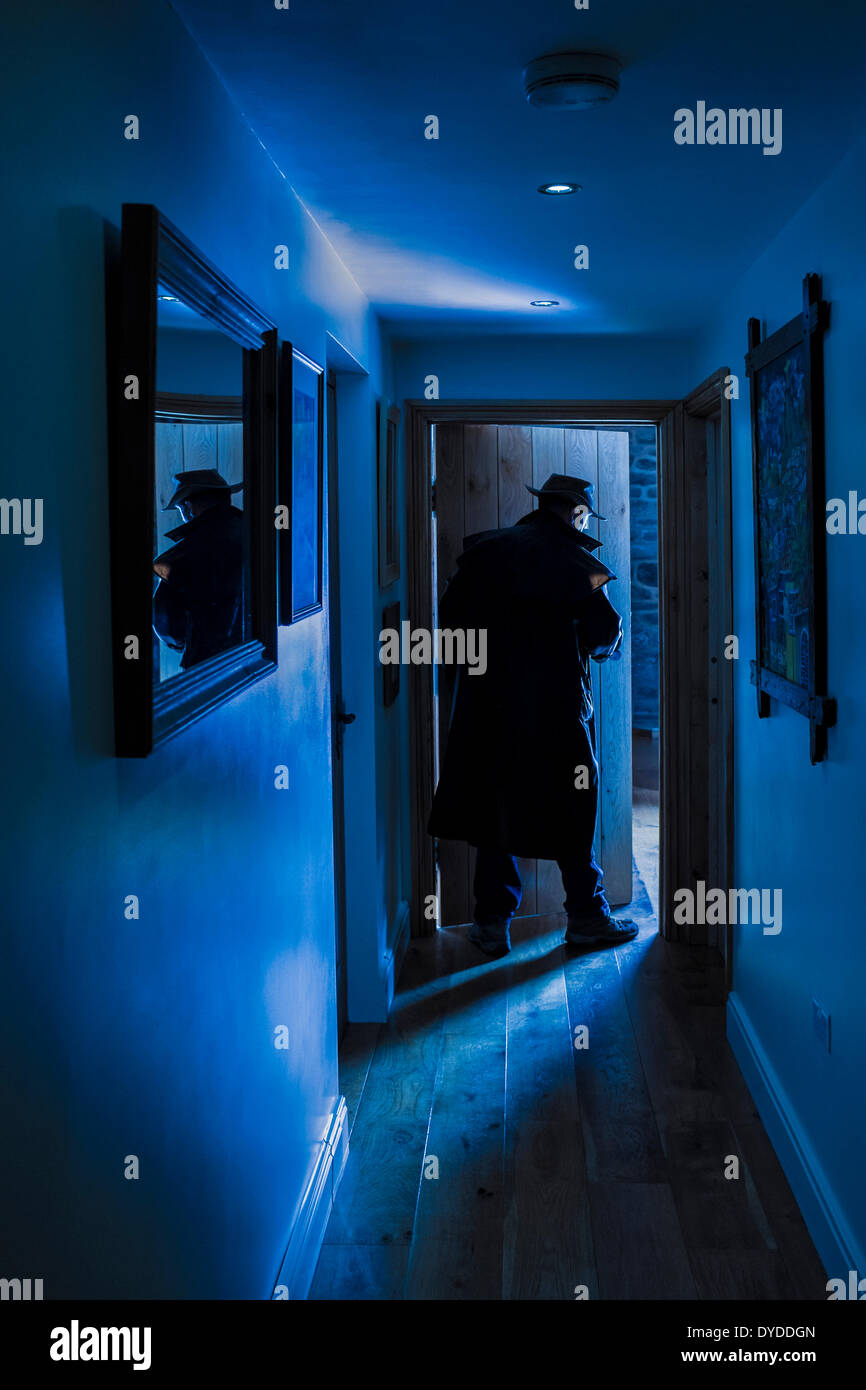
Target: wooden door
x: 480, y: 474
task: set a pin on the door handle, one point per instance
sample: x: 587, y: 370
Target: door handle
x: 342, y: 720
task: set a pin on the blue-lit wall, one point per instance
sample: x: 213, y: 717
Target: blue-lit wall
x: 797, y: 827
x: 152, y: 1037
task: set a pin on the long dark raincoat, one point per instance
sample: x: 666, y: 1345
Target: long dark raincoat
x: 198, y: 609
x: 519, y: 732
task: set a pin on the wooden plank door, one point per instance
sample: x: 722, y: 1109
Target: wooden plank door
x: 480, y: 473
x: 612, y: 679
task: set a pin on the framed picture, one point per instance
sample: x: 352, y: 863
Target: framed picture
x: 301, y: 484
x: 786, y: 378
x: 192, y: 374
x: 387, y: 427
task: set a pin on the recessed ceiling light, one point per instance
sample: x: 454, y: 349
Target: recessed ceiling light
x: 558, y: 188
x: 544, y: 303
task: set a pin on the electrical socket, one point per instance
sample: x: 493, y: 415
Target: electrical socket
x: 821, y: 1023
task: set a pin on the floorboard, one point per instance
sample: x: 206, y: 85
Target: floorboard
x: 640, y: 1252
x: 558, y: 1167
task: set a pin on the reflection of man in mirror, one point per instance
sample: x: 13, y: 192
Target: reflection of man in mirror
x: 197, y: 602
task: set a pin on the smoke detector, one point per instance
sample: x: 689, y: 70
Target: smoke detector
x: 571, y: 81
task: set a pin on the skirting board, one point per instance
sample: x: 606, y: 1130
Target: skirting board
x: 834, y: 1240
x: 305, y: 1242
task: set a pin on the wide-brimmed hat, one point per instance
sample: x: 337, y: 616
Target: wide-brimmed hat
x: 575, y: 490
x: 198, y: 480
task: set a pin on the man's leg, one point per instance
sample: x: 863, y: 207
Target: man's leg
x: 589, y: 915
x: 498, y: 891
x: 583, y: 882
x: 497, y: 886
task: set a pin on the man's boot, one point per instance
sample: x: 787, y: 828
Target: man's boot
x: 491, y: 937
x: 582, y: 931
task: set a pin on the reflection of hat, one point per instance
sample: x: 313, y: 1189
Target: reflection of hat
x: 576, y: 490
x: 198, y: 480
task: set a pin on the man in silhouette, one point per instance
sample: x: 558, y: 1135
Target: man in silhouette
x: 520, y: 776
x: 197, y: 601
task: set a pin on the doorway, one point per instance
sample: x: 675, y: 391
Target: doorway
x: 695, y: 613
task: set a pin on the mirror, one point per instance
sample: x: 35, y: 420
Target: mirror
x: 193, y: 401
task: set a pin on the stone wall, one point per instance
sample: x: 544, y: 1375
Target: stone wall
x: 643, y: 492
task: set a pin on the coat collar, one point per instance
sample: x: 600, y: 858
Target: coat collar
x: 202, y: 522
x: 542, y: 517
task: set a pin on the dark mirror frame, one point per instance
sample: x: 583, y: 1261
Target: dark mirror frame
x: 154, y: 251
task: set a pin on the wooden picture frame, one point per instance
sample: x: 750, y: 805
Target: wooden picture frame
x: 786, y: 376
x: 153, y: 252
x: 387, y: 438
x: 301, y: 485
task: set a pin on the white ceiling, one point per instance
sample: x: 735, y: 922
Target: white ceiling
x: 453, y: 233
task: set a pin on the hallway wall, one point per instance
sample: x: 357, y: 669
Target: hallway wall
x: 546, y: 367
x: 800, y: 827
x: 151, y: 1037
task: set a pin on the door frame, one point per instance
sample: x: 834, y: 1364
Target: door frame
x: 697, y: 609
x: 420, y: 417
x: 679, y: 455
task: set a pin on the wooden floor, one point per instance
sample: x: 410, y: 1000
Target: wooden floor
x: 558, y: 1167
